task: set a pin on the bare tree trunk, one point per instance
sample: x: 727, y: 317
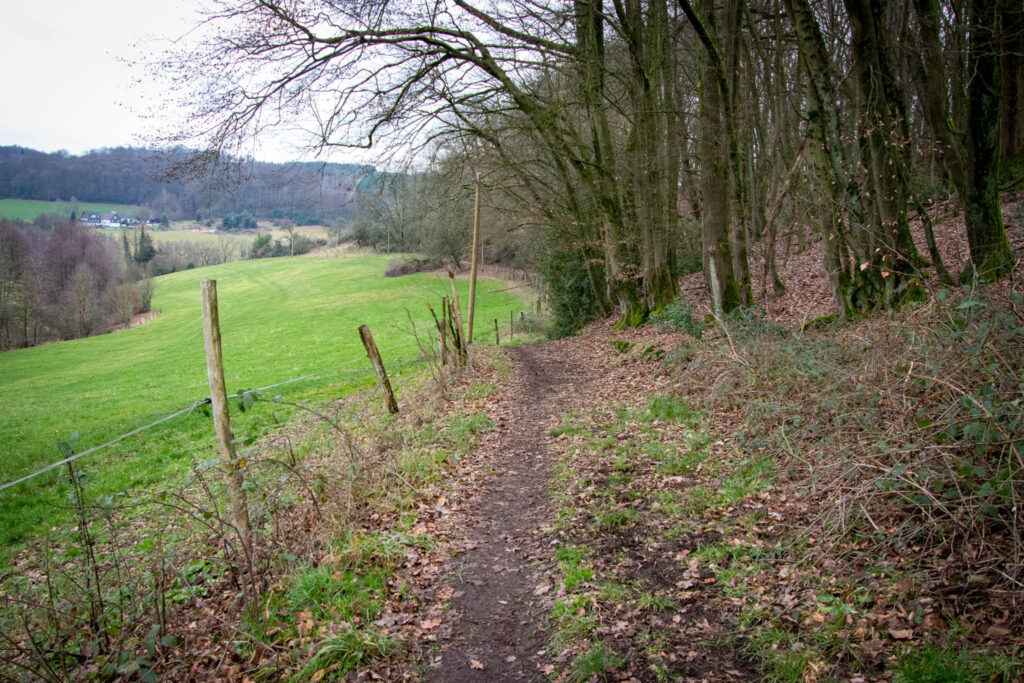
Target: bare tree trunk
x: 717, y: 142
x: 883, y: 138
x: 824, y: 152
x: 990, y: 250
x: 1012, y: 51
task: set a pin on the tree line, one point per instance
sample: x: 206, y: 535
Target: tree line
x: 628, y: 141
x: 303, y: 193
x: 66, y: 282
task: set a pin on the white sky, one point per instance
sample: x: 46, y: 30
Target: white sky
x: 63, y: 84
x: 65, y: 81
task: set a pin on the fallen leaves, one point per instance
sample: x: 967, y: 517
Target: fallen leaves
x: 428, y: 624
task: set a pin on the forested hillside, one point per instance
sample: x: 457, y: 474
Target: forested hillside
x: 303, y: 193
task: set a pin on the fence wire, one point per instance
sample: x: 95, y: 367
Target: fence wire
x: 175, y: 414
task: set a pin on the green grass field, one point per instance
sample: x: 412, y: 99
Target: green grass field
x: 280, y: 318
x: 28, y: 209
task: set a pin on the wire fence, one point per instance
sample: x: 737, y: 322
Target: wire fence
x: 187, y: 409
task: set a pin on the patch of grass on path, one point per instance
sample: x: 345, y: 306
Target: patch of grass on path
x: 633, y: 533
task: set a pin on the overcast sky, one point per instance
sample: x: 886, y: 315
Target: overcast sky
x: 65, y: 76
x: 64, y: 86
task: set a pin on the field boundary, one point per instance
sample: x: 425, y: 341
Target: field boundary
x: 186, y: 409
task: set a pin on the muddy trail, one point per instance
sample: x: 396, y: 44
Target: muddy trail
x: 501, y: 594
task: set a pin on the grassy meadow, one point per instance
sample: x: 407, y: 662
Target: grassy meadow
x: 280, y: 318
x: 29, y: 209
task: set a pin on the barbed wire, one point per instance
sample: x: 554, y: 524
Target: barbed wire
x: 312, y: 374
x: 102, y: 445
x: 187, y: 409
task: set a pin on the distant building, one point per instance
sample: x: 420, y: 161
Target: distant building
x: 90, y: 218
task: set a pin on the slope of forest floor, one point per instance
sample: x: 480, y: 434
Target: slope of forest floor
x: 756, y: 502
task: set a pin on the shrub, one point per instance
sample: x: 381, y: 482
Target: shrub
x: 408, y: 266
x: 678, y: 315
x: 570, y: 293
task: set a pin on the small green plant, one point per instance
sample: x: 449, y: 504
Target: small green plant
x: 656, y: 602
x: 325, y: 591
x: 621, y: 345
x: 669, y: 409
x: 955, y: 666
x: 576, y: 576
x: 461, y: 427
x: 344, y: 652
x: 569, y: 557
x: 574, y: 620
x: 615, y: 519
x: 598, y: 663
x: 678, y: 315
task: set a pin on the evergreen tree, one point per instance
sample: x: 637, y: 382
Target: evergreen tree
x: 146, y: 251
x: 127, y: 249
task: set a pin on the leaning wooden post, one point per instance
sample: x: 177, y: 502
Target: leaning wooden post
x: 497, y: 340
x: 458, y: 318
x: 378, y: 367
x: 221, y: 419
x: 474, y: 261
x: 442, y: 352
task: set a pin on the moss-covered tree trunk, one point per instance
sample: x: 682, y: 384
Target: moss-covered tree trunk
x: 619, y: 280
x: 717, y: 145
x: 990, y: 251
x: 885, y: 244
x: 646, y: 37
x: 824, y: 151
x: 1012, y: 149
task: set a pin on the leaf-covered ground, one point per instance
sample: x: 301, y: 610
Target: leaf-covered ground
x: 671, y: 544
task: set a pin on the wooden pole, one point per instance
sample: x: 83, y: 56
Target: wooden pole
x: 458, y: 318
x: 511, y: 327
x: 441, y: 351
x: 474, y: 260
x: 221, y: 418
x: 444, y: 331
x: 497, y: 340
x: 378, y: 367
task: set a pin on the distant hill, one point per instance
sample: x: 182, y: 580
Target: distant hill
x: 305, y: 193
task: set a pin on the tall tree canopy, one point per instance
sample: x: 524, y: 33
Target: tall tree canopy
x: 614, y: 128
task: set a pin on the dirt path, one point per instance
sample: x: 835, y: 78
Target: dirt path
x: 501, y: 592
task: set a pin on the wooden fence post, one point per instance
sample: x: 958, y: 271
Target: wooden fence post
x: 378, y: 366
x: 221, y: 418
x: 445, y: 310
x: 474, y: 261
x: 463, y: 346
x: 511, y: 328
x: 497, y: 340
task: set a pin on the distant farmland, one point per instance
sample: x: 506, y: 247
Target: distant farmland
x: 281, y: 318
x: 29, y: 209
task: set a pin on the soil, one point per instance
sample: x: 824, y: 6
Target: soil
x: 501, y: 592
